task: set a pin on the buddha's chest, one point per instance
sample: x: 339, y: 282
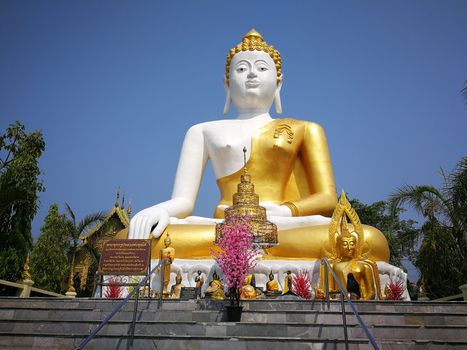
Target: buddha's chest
x: 229, y: 138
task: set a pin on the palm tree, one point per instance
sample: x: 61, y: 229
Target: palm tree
x: 78, y: 229
x: 441, y: 257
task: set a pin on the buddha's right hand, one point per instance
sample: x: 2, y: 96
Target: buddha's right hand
x: 142, y: 223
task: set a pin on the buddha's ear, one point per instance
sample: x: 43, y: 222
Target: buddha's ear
x: 277, y: 96
x: 227, y: 98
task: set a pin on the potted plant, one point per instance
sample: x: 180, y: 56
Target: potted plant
x: 235, y: 254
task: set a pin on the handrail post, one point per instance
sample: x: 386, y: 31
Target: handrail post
x: 162, y: 281
x: 129, y: 344
x: 344, y: 322
x: 326, y: 284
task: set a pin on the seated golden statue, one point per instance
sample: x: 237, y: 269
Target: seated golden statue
x: 215, y: 290
x: 288, y: 161
x: 272, y: 285
x: 359, y: 275
x: 248, y: 290
x: 177, y: 287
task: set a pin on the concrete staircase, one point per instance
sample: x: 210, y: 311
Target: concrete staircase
x: 38, y: 323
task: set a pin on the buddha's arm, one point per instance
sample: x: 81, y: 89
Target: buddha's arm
x: 367, y: 284
x: 190, y: 169
x: 193, y: 159
x: 315, y: 157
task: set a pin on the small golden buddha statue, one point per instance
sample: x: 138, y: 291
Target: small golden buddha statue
x: 167, y: 253
x: 248, y: 290
x: 356, y: 273
x: 177, y: 287
x: 287, y: 283
x: 272, y: 285
x: 215, y: 290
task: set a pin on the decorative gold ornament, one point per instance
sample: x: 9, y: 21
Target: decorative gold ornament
x: 253, y: 41
x: 339, y: 220
x: 348, y: 257
x: 26, y: 274
x: 284, y: 129
x: 246, y: 204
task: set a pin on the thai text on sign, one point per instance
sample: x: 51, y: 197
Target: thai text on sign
x: 125, y: 257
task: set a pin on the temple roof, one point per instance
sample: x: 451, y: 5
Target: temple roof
x: 118, y: 211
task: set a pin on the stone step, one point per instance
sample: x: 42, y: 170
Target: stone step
x: 152, y: 304
x: 260, y: 316
x: 148, y: 342
x: 289, y: 329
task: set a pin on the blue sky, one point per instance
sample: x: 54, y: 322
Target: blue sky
x: 114, y: 85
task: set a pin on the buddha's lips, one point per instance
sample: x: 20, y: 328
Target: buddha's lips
x: 252, y: 84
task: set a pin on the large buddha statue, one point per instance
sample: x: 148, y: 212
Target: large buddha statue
x: 288, y: 161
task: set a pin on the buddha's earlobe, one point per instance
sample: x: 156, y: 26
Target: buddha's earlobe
x: 227, y: 98
x: 277, y: 98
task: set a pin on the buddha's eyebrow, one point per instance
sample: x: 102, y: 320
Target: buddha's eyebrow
x: 243, y: 61
x: 262, y: 61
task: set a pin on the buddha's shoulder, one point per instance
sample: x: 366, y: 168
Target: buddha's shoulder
x: 212, y: 124
x: 312, y: 126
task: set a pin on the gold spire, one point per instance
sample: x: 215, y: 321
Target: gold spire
x: 123, y: 202
x: 246, y: 204
x: 129, y: 208
x: 117, y: 199
x: 244, y: 160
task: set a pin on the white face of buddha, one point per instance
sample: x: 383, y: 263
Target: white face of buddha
x: 253, y: 81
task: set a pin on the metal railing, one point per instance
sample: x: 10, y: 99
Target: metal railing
x: 343, y: 294
x: 120, y: 305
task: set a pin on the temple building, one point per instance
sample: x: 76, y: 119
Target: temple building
x: 88, y: 253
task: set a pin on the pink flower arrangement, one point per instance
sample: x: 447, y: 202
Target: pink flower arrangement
x: 301, y: 284
x: 235, y: 254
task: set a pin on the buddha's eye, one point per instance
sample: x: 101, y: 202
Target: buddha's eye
x: 241, y: 69
x: 263, y: 69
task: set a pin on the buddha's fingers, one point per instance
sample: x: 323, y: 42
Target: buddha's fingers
x: 162, y: 223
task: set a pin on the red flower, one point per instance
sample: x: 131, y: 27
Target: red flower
x: 301, y: 284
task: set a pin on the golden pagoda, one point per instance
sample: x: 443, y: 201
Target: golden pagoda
x: 246, y: 205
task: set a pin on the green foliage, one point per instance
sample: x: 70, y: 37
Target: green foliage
x: 19, y: 189
x: 49, y: 259
x: 398, y: 232
x: 442, y: 256
x: 76, y: 230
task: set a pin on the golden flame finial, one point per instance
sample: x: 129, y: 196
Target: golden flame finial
x: 117, y: 199
x: 244, y: 159
x: 26, y: 274
x: 123, y: 202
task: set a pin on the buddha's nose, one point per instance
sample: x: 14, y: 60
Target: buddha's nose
x: 252, y: 74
